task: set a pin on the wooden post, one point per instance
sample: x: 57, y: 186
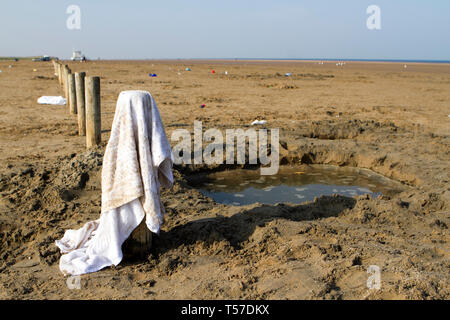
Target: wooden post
x: 58, y: 71
x: 66, y: 82
x: 81, y: 106
x: 63, y: 80
x: 72, y: 93
x: 139, y: 242
x: 93, y: 120
x: 60, y: 74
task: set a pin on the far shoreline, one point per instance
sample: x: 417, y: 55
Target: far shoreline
x: 311, y: 60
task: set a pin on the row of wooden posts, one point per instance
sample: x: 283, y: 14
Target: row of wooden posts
x: 83, y: 98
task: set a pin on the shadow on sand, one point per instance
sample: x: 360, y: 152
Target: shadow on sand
x: 239, y: 227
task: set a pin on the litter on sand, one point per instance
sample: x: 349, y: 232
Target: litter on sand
x: 137, y: 162
x: 256, y: 122
x: 213, y: 71
x: 288, y: 74
x: 188, y: 69
x: 203, y: 105
x: 152, y: 75
x: 54, y: 100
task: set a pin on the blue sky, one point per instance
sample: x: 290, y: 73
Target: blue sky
x: 134, y: 29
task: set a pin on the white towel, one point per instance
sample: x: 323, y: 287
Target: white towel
x: 137, y: 161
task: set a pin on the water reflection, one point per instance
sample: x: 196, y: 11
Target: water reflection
x: 293, y: 184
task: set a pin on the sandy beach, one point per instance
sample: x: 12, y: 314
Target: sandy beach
x: 373, y: 115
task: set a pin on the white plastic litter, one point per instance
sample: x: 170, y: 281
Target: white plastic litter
x: 256, y: 122
x: 54, y: 100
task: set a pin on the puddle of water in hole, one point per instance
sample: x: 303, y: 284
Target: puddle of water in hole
x: 293, y: 184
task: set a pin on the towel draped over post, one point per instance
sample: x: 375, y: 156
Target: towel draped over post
x: 137, y: 162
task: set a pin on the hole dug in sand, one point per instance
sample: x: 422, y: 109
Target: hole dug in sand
x: 292, y: 184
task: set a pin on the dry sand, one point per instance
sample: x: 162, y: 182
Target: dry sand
x: 379, y: 116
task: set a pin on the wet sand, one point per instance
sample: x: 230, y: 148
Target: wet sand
x: 379, y: 116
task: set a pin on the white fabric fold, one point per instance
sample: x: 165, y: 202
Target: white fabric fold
x: 137, y: 162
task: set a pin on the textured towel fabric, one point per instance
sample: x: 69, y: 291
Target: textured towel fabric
x: 137, y: 162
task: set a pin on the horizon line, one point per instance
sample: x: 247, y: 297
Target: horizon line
x: 248, y: 59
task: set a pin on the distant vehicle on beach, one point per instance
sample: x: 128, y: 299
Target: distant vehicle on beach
x: 78, y: 56
x: 43, y: 58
